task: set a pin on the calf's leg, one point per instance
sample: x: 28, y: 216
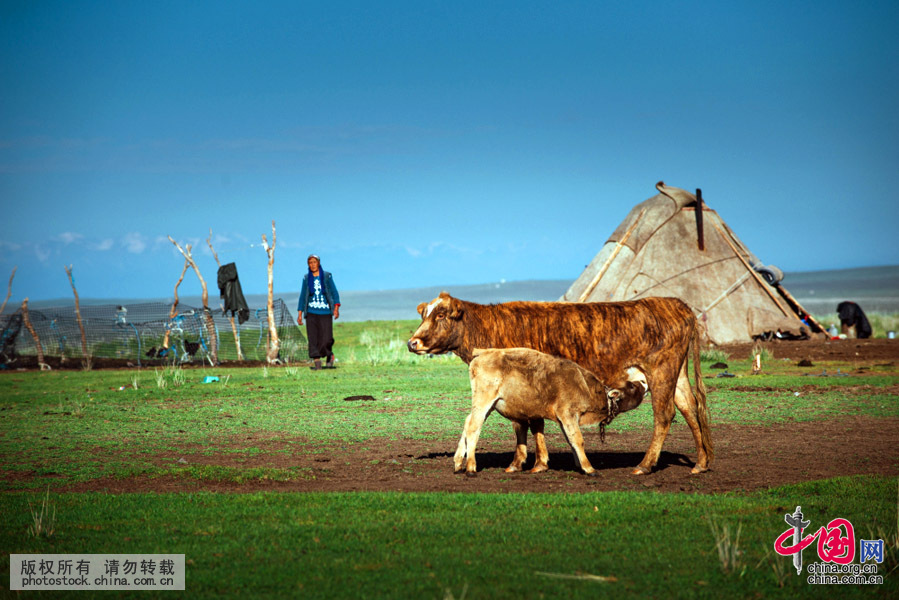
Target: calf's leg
x: 572, y: 431
x: 482, y: 404
x: 521, y: 446
x: 459, y: 457
x: 542, y: 454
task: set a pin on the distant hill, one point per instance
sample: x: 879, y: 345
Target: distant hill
x: 876, y: 289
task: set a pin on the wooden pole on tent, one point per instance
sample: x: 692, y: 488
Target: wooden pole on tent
x: 699, y: 228
x: 37, y: 341
x: 793, y: 301
x: 605, y: 267
x: 231, y: 316
x: 757, y: 277
x: 86, y: 361
x: 210, y: 324
x: 174, y: 310
x: 274, y: 345
x: 8, y: 289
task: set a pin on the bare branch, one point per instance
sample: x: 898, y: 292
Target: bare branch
x: 210, y: 324
x: 214, y: 255
x: 174, y: 311
x: 274, y: 342
x: 86, y: 357
x: 8, y: 289
x: 37, y: 341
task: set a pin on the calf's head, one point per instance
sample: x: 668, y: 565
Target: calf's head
x: 440, y: 329
x: 630, y: 394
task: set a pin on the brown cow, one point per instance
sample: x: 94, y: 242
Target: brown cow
x: 613, y: 340
x: 522, y: 385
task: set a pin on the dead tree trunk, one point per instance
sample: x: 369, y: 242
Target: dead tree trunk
x: 37, y: 341
x: 210, y: 324
x: 231, y: 316
x: 174, y: 311
x: 86, y: 361
x: 274, y: 345
x: 8, y: 289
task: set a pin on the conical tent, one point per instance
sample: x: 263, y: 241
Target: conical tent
x: 666, y: 247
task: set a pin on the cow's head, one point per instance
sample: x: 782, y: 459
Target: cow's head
x: 440, y: 329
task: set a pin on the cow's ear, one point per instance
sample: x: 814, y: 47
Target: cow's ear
x: 421, y: 309
x: 455, y: 308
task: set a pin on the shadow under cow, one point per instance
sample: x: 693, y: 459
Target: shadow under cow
x: 564, y: 461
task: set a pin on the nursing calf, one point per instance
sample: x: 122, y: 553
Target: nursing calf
x: 527, y: 386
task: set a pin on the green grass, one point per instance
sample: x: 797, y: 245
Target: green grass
x: 390, y: 545
x: 70, y: 427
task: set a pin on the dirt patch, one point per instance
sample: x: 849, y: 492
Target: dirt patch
x: 747, y: 458
x: 811, y: 390
x: 868, y: 352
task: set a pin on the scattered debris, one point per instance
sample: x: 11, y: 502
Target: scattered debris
x: 823, y: 373
x: 580, y: 576
x: 355, y: 398
x: 725, y: 374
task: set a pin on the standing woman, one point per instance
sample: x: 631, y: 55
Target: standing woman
x: 319, y: 300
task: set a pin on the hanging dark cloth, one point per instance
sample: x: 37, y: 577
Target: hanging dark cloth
x: 8, y: 338
x: 232, y: 295
x: 851, y: 314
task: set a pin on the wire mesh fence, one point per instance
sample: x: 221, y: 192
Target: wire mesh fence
x: 137, y: 332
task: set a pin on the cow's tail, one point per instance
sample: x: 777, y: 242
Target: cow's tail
x: 699, y: 392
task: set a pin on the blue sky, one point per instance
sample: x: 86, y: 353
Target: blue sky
x: 431, y: 143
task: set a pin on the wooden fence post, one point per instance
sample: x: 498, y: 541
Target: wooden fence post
x: 174, y: 311
x: 274, y: 346
x: 37, y: 341
x: 86, y: 361
x: 8, y: 289
x: 210, y: 324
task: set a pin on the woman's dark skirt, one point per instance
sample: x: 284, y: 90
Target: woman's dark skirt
x: 320, y: 334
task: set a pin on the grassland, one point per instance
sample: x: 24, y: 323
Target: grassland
x: 63, y: 429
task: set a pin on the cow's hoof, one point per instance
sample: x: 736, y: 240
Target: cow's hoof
x: 638, y: 470
x: 539, y: 469
x: 458, y: 471
x: 591, y: 474
x: 471, y: 473
x: 697, y: 470
x: 513, y: 469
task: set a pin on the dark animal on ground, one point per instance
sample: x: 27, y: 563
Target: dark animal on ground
x: 616, y: 341
x: 191, y: 347
x: 852, y: 315
x: 524, y: 385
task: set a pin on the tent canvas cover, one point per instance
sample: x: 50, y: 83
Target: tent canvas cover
x: 666, y: 247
